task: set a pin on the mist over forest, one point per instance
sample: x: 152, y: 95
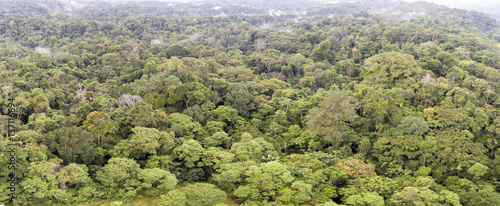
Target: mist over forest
x: 251, y: 103
x: 490, y: 7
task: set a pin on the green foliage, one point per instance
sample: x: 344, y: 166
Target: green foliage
x: 188, y: 93
x: 72, y: 144
x: 216, y: 139
x: 190, y: 152
x: 365, y: 199
x: 203, y: 194
x: 412, y: 125
x: 157, y: 178
x: 48, y: 181
x: 400, y: 149
x: 252, y: 149
x: 415, y: 196
x: 392, y: 68
x: 173, y: 198
x: 100, y: 125
x: 144, y: 142
x: 264, y: 181
x: 382, y: 186
x: 323, y: 52
x: 158, y: 101
x: 120, y: 177
x: 363, y: 107
x: 183, y: 125
x: 478, y: 170
x: 329, y: 120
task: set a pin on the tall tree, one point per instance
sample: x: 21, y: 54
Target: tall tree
x: 330, y: 119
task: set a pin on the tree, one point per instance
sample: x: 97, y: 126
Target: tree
x: 495, y: 128
x: 330, y: 118
x: 225, y: 114
x: 190, y: 152
x: 380, y: 106
x: 297, y: 61
x: 269, y: 62
x: 22, y: 104
x: 41, y: 181
x: 347, y: 67
x: 192, y: 93
x: 119, y: 177
x: 41, y: 104
x: 30, y: 136
x: 299, y: 193
x: 72, y: 144
x: 411, y: 125
x: 157, y: 178
x: 239, y: 97
x: 252, y: 149
x: 367, y: 198
x: 379, y: 185
x: 158, y: 101
x: 433, y: 65
x: 322, y: 52
x: 74, y: 176
x: 457, y: 148
x: 230, y: 174
x: 218, y: 138
x: 183, y: 125
x: 264, y: 181
x: 329, y: 203
x: 391, y: 68
x: 415, y: 196
x: 139, y: 114
x: 450, y: 198
x: 478, y: 170
x: 292, y: 137
x: 454, y: 119
x: 177, y: 50
x: 430, y: 92
x: 144, y: 142
x: 403, y: 150
x: 481, y: 196
x: 427, y: 148
x: 46, y: 182
x: 173, y: 198
x: 100, y: 125
x: 203, y: 194
x: 42, y: 123
x: 214, y: 158
x: 356, y: 168
x: 199, y: 113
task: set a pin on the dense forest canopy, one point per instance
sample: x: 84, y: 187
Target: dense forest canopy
x: 263, y: 103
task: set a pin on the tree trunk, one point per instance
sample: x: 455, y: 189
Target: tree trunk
x: 62, y: 185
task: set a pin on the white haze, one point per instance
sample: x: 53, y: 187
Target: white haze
x: 491, y: 7
x: 42, y: 50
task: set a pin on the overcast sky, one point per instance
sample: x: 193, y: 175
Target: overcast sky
x: 484, y: 2
x: 451, y: 3
x: 467, y: 1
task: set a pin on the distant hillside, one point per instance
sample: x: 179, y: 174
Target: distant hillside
x: 493, y: 9
x: 392, y: 10
x: 282, y: 5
